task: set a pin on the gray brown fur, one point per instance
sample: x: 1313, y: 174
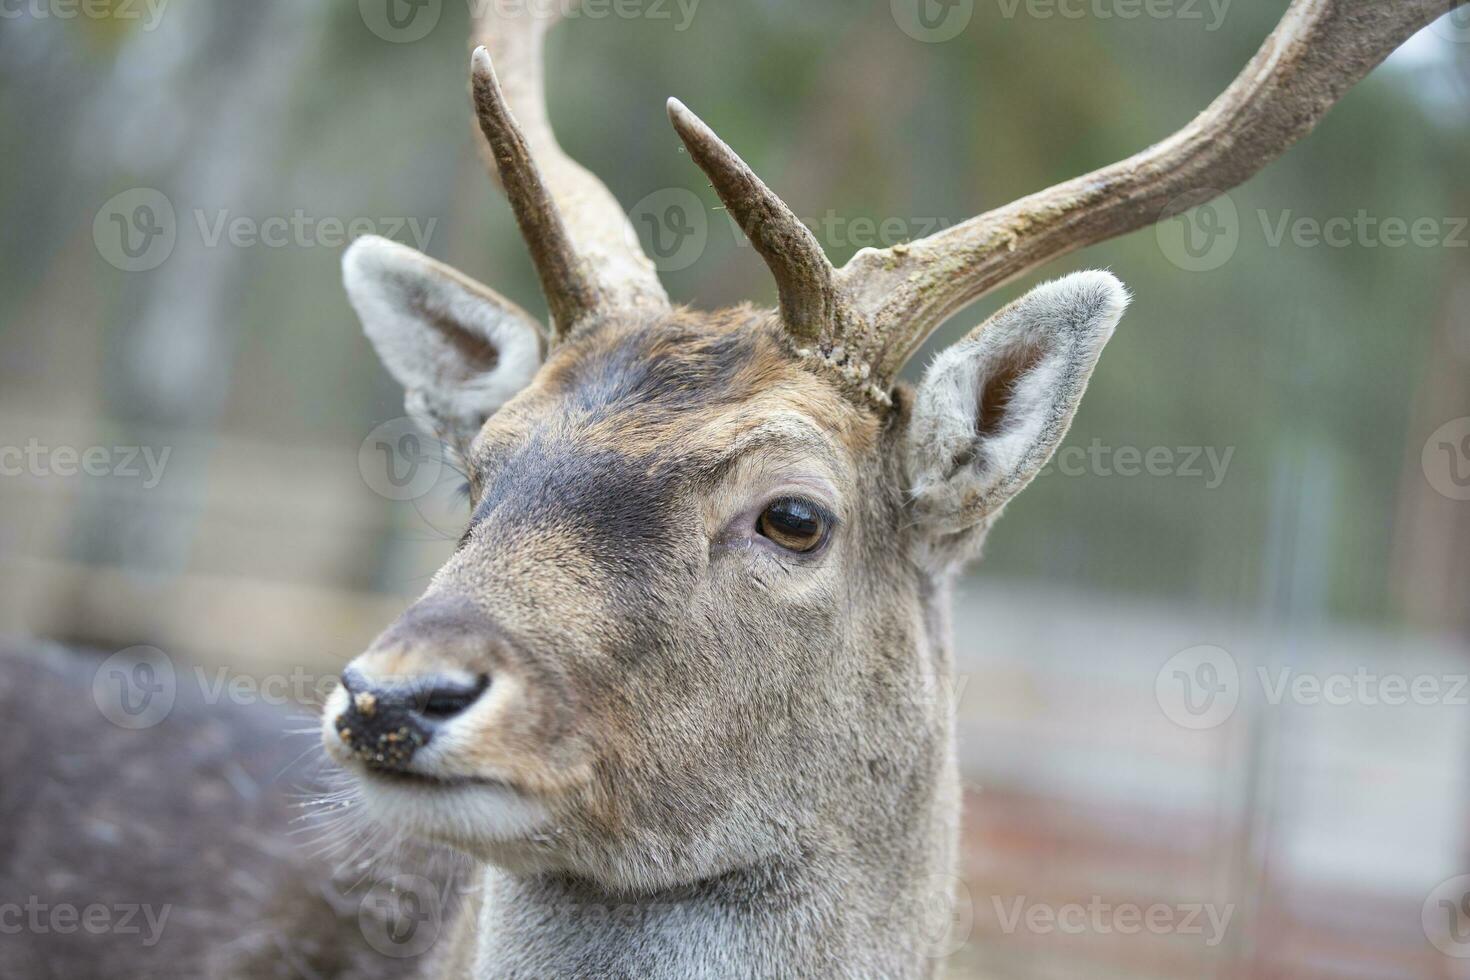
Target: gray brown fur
x: 198, y: 818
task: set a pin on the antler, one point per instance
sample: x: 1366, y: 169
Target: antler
x: 585, y: 251
x: 883, y: 303
x: 805, y: 280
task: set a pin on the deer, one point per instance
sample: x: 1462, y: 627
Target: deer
x: 675, y: 690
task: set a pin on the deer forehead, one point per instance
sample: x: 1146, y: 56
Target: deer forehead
x: 676, y: 401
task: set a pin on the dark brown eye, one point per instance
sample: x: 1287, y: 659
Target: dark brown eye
x: 795, y: 524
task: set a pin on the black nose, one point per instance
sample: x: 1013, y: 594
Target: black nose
x: 386, y: 723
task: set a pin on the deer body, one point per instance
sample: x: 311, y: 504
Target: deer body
x: 681, y: 688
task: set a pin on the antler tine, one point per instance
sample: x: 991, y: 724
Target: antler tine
x: 1320, y: 49
x: 585, y: 250
x: 805, y: 280
x: 570, y: 295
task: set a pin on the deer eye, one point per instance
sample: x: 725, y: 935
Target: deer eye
x: 795, y: 524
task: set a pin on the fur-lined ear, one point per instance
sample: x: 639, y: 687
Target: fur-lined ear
x: 992, y: 409
x: 459, y: 349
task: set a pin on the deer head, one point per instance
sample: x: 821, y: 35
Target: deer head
x: 695, y: 630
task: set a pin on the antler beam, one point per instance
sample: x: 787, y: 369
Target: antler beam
x: 584, y: 248
x: 1320, y: 49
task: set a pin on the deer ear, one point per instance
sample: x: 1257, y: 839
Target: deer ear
x: 992, y: 408
x: 459, y: 349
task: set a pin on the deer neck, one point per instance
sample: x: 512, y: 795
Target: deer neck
x: 818, y: 920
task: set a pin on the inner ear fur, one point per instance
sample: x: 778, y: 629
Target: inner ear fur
x: 992, y: 409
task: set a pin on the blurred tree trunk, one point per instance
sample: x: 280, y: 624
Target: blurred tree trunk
x: 1432, y: 530
x: 171, y: 368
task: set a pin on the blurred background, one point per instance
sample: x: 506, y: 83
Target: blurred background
x: 1214, y: 658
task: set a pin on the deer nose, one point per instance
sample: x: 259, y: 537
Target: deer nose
x: 386, y: 722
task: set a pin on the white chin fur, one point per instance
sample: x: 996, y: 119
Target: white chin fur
x: 468, y: 816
